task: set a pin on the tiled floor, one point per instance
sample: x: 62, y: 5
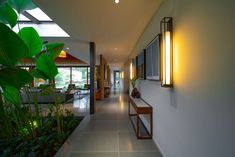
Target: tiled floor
x: 108, y: 133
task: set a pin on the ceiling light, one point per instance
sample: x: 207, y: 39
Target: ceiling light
x: 62, y: 54
x: 117, y: 1
x: 67, y: 48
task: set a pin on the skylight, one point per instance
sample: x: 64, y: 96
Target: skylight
x: 39, y: 20
x: 45, y: 29
x: 39, y: 14
x: 23, y: 18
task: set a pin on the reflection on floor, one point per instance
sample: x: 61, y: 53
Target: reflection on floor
x: 108, y: 133
x: 80, y: 105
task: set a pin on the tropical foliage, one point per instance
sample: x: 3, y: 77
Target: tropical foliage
x: 24, y: 129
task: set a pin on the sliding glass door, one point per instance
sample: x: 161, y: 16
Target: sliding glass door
x: 62, y: 79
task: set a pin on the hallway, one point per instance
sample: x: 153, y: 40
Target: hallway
x: 108, y: 133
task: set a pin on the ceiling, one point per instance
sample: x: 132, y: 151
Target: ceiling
x: 115, y: 28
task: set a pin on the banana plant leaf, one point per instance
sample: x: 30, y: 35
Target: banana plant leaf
x: 32, y: 40
x: 14, y: 77
x: 47, y: 90
x: 54, y: 49
x: 22, y: 5
x: 39, y: 74
x: 12, y: 47
x: 2, y: 2
x: 47, y: 65
x: 8, y: 15
x: 12, y: 95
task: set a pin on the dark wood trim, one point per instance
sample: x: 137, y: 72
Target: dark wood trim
x: 92, y: 78
x: 145, y: 64
x: 136, y: 66
x: 102, y: 75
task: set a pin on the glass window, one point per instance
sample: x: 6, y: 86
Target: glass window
x: 79, y: 76
x: 39, y: 14
x: 23, y: 18
x: 88, y: 81
x: 44, y: 29
x: 62, y: 79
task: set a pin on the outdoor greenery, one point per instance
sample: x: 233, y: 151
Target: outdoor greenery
x: 25, y: 130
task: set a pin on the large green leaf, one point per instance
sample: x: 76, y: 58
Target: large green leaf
x: 46, y: 65
x: 8, y: 15
x: 39, y: 74
x: 54, y: 49
x: 15, y: 77
x: 2, y: 2
x: 47, y: 90
x: 32, y: 39
x: 12, y: 95
x: 12, y: 47
x: 22, y: 5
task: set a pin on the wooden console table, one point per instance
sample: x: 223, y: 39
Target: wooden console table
x: 141, y: 108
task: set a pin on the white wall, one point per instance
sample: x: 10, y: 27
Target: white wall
x: 196, y: 118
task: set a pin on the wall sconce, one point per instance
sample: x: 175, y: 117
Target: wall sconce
x: 131, y: 70
x: 166, y: 52
x: 122, y: 75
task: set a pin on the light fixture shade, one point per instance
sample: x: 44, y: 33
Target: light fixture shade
x: 131, y: 70
x: 167, y: 52
x: 62, y: 54
x: 122, y: 74
x: 116, y: 1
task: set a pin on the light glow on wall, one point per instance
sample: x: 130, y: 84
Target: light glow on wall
x: 122, y: 75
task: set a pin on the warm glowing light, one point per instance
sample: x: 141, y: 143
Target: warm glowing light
x: 131, y: 71
x: 168, y: 57
x: 122, y: 75
x: 62, y: 54
x: 167, y: 52
x: 117, y: 1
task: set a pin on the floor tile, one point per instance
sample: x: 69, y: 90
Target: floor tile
x: 125, y: 126
x: 107, y: 133
x: 140, y: 154
x: 100, y: 125
x: 102, y: 141
x: 129, y: 142
x: 94, y: 154
x: 105, y: 116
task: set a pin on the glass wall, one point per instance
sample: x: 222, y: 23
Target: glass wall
x: 88, y: 79
x: 79, y: 76
x: 67, y: 75
x: 75, y: 75
x: 62, y: 79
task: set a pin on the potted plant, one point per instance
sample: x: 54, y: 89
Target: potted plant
x: 134, y: 93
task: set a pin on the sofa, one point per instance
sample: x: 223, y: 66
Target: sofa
x: 35, y: 93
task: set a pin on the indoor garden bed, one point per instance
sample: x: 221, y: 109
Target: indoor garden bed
x: 24, y: 129
x: 46, y: 143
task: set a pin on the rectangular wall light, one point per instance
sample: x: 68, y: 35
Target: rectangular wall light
x: 122, y: 74
x: 131, y: 70
x: 166, y: 52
